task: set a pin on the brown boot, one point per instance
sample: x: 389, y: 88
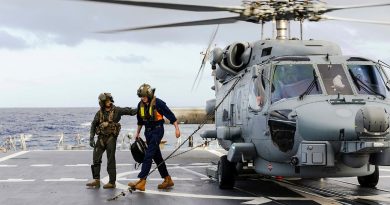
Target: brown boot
x: 167, y: 183
x: 109, y: 186
x: 95, y: 183
x: 139, y: 185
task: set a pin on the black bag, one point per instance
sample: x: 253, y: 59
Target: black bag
x: 138, y: 149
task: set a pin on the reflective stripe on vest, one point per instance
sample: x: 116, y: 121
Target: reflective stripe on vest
x: 154, y: 115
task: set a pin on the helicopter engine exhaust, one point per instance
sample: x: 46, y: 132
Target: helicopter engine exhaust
x: 232, y: 59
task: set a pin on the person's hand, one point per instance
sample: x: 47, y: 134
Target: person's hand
x: 137, y: 136
x: 177, y: 133
x: 92, y: 142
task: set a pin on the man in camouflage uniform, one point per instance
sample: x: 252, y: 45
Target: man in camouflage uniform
x: 106, y: 126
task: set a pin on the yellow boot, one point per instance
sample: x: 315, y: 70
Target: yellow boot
x: 167, y: 183
x: 139, y: 185
x: 95, y: 183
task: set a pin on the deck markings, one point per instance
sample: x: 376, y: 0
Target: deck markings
x: 260, y: 200
x: 18, y: 180
x: 194, y: 172
x: 199, y: 164
x: 123, y: 165
x: 7, y: 165
x: 65, y: 180
x: 156, y: 179
x: 219, y: 154
x: 248, y: 200
x: 41, y: 165
x: 77, y: 165
x: 12, y: 156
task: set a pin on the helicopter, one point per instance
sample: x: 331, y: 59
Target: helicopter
x: 292, y: 107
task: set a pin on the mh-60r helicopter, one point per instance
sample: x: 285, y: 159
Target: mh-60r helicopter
x: 294, y: 108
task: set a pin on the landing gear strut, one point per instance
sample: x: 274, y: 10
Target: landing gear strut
x: 226, y: 173
x: 371, y: 180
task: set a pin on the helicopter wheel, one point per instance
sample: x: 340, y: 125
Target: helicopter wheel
x: 371, y: 180
x: 226, y: 173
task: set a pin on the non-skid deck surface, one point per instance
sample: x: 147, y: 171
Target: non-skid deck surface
x: 59, y: 177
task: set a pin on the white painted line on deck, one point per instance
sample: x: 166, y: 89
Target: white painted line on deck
x: 385, y: 170
x: 219, y: 154
x: 123, y: 165
x: 172, y: 164
x: 7, y: 165
x: 65, y: 180
x: 199, y: 164
x: 77, y: 165
x: 190, y: 195
x: 18, y: 180
x: 41, y: 165
x: 156, y: 179
x: 193, y: 172
x: 12, y: 155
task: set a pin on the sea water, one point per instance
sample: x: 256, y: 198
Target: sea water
x: 43, y: 127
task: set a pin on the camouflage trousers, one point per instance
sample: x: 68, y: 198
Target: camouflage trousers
x: 104, y: 143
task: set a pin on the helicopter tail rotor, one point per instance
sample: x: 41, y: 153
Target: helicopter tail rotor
x: 206, y: 55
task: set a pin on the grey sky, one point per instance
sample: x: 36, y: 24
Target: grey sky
x: 50, y: 55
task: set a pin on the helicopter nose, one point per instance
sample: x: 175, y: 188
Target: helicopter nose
x: 371, y: 122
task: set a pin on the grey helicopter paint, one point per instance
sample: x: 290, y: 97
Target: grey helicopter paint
x: 294, y: 107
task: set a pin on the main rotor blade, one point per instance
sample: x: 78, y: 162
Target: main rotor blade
x: 225, y: 20
x: 334, y: 8
x: 355, y: 20
x: 184, y: 7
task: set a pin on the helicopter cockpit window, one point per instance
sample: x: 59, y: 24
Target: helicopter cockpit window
x: 257, y: 94
x: 335, y: 79
x: 291, y: 80
x: 367, y: 79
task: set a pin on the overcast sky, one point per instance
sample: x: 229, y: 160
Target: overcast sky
x: 50, y: 55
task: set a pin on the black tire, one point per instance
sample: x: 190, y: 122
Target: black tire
x: 226, y: 173
x: 371, y: 180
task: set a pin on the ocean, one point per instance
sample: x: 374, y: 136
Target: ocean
x: 43, y: 127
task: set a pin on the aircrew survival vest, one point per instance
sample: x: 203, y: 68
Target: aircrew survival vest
x: 149, y: 113
x: 108, y: 127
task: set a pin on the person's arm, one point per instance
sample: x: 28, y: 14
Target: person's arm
x: 93, y: 130
x: 140, y: 123
x: 163, y: 109
x: 177, y: 130
x: 126, y: 111
x: 139, y: 128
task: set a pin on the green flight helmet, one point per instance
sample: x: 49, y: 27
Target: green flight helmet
x: 145, y: 90
x: 103, y: 97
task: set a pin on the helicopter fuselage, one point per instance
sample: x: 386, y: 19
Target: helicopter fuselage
x: 313, y: 114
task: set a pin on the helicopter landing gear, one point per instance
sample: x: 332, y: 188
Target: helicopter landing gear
x: 226, y: 173
x: 371, y: 180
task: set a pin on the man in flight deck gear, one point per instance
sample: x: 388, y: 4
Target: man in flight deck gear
x: 150, y: 114
x: 106, y: 126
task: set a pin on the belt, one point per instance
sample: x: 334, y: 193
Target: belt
x: 150, y: 128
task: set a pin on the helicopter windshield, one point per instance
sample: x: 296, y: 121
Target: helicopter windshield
x: 291, y: 80
x: 367, y: 75
x: 335, y: 79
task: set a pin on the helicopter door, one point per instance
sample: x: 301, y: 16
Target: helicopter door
x: 257, y: 100
x: 239, y: 105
